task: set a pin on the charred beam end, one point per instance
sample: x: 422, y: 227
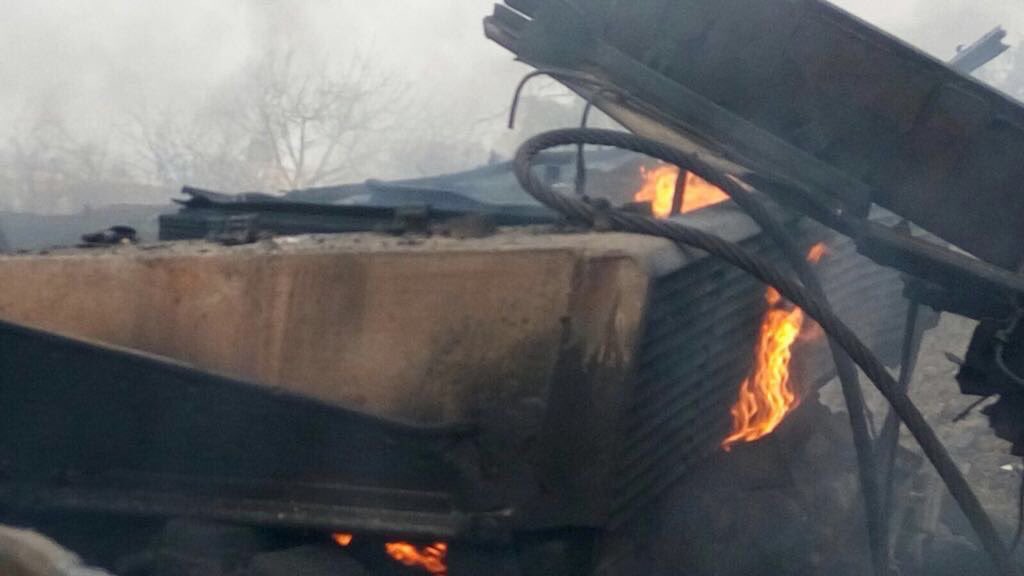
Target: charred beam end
x: 984, y: 50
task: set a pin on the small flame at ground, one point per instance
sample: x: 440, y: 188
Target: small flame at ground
x: 431, y: 558
x: 659, y: 188
x: 766, y: 396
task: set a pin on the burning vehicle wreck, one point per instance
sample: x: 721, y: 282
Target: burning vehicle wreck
x: 555, y: 364
x: 558, y: 378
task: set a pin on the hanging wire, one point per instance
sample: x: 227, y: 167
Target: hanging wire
x: 580, y: 210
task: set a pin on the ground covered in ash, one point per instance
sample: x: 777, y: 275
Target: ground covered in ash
x: 790, y: 503
x: 985, y: 459
x: 934, y: 527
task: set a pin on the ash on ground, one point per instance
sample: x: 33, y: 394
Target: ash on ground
x: 931, y: 525
x: 791, y: 504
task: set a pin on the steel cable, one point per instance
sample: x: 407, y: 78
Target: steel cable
x: 580, y: 210
x: 846, y: 370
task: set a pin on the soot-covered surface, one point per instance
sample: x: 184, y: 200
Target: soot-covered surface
x: 790, y: 503
x: 935, y: 533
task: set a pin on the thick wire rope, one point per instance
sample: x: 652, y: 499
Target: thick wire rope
x: 846, y: 370
x: 581, y: 211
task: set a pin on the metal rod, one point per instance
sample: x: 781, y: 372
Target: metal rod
x: 888, y: 440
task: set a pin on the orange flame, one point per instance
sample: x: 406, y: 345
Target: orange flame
x: 766, y: 396
x: 659, y: 188
x: 700, y: 193
x: 431, y: 558
x: 342, y: 539
x: 817, y: 252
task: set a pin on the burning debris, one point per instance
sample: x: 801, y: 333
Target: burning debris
x: 767, y: 396
x: 825, y: 142
x: 430, y: 558
x: 667, y: 196
x: 673, y: 410
x: 560, y: 391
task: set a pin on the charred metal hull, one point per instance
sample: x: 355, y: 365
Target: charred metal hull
x: 615, y: 371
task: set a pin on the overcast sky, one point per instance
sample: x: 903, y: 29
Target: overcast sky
x: 94, y: 58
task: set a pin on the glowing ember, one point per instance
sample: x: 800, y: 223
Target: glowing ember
x: 342, y: 539
x: 659, y: 188
x: 766, y: 396
x: 431, y: 558
x: 816, y: 253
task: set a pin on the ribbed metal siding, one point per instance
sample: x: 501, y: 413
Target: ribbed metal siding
x: 701, y: 330
x: 866, y: 296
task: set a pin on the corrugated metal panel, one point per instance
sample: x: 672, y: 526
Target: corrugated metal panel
x: 702, y: 327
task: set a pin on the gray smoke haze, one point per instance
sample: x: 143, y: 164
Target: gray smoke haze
x: 93, y: 57
x: 97, y: 78
x: 939, y: 26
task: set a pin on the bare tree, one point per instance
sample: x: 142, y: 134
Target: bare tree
x: 46, y: 169
x: 200, y: 148
x: 318, y: 128
x: 283, y: 123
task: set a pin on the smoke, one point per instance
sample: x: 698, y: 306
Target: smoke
x: 95, y: 67
x: 938, y: 27
x: 95, y: 58
x: 106, y: 74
